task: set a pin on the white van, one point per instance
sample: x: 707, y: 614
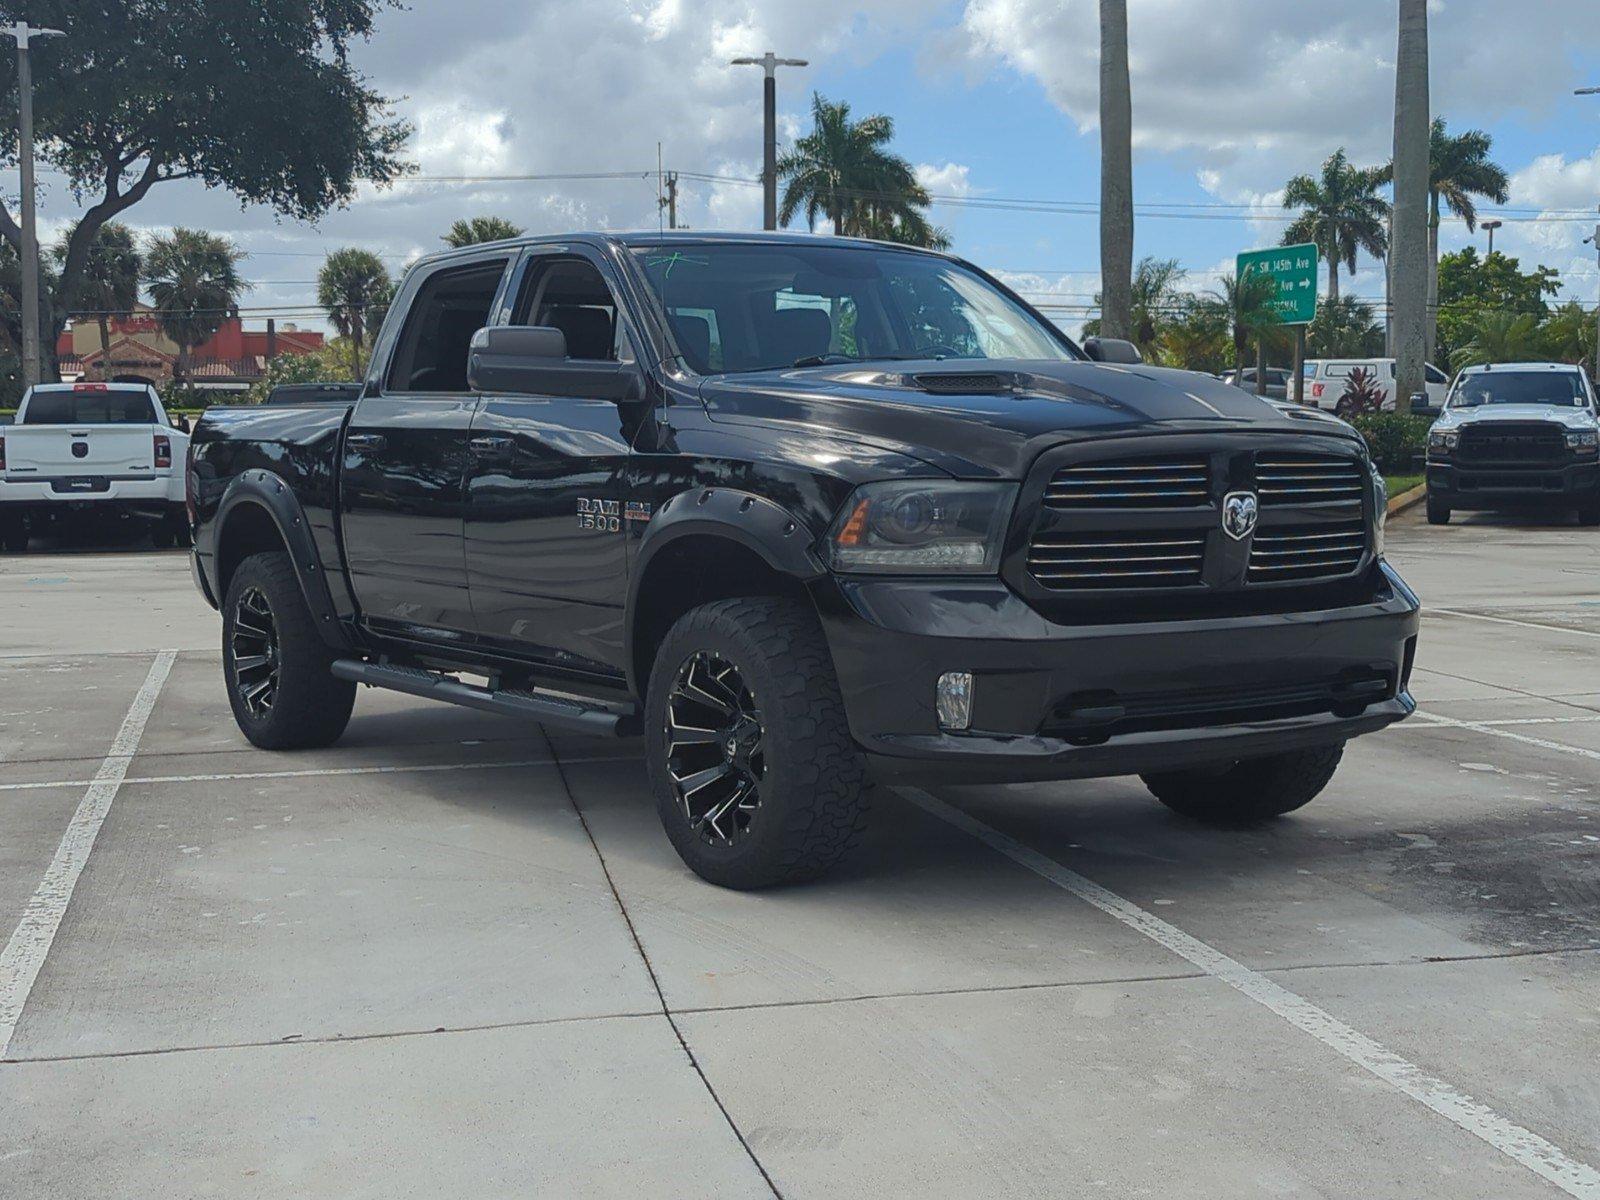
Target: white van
x: 1329, y: 380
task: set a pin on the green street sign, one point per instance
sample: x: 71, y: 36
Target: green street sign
x: 1295, y: 270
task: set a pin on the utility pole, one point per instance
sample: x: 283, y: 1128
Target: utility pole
x: 670, y: 200
x: 1594, y: 91
x: 1410, y: 249
x: 23, y: 34
x: 769, y: 63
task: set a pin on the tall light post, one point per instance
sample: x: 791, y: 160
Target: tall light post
x: 24, y: 34
x: 770, y: 63
x: 1491, y: 225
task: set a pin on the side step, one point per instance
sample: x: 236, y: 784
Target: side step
x: 557, y: 711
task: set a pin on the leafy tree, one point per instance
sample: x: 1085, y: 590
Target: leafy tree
x: 1196, y: 337
x: 844, y: 171
x: 1342, y: 213
x: 324, y: 366
x: 11, y: 295
x: 354, y: 286
x: 1568, y: 334
x: 1155, y: 297
x: 193, y: 278
x: 1344, y: 328
x: 109, y: 284
x: 1500, y: 337
x: 1247, y: 308
x: 472, y: 231
x: 1470, y: 286
x: 257, y: 97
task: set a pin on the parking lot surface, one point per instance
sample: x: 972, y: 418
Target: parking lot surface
x: 454, y: 956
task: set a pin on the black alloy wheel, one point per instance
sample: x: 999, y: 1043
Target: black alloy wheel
x: 257, y: 665
x: 716, y: 748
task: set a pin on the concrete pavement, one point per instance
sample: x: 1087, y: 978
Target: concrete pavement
x: 452, y: 956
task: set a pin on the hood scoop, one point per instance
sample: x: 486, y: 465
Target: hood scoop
x: 966, y: 383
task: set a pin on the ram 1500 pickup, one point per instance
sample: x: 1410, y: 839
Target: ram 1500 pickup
x: 805, y: 513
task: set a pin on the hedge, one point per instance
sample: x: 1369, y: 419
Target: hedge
x: 1396, y: 440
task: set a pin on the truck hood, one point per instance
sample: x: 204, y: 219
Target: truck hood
x: 1569, y: 418
x: 992, y: 417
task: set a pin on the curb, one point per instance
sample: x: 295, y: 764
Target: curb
x: 1406, y: 500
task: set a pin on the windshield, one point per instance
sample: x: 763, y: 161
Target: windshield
x: 754, y: 307
x: 1564, y: 388
x: 100, y: 406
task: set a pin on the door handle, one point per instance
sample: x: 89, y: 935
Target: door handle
x: 491, y: 446
x: 364, y: 441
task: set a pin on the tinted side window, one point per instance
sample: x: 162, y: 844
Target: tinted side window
x: 1435, y: 375
x: 571, y: 295
x: 452, y: 305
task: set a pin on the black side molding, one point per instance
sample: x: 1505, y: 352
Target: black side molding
x: 557, y: 711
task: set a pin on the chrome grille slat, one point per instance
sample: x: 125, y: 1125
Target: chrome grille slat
x: 1307, y: 552
x: 1155, y: 483
x: 1130, y: 560
x: 1309, y: 479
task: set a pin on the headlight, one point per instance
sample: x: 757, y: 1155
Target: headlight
x: 922, y: 526
x: 1380, y: 509
x: 1443, y: 439
x: 1584, y: 441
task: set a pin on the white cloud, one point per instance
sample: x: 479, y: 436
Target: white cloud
x: 949, y: 179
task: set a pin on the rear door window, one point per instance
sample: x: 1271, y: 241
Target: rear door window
x: 112, y: 406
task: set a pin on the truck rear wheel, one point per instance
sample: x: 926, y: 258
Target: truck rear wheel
x: 276, y: 666
x: 1438, y: 512
x: 755, y: 776
x: 1249, y: 791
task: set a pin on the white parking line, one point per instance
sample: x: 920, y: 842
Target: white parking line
x: 320, y: 772
x: 1455, y: 612
x: 1521, y: 1145
x: 1479, y: 727
x: 30, y: 943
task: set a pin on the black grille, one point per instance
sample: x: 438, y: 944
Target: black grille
x: 1120, y: 560
x: 1308, y: 479
x: 1151, y: 483
x: 1512, y: 442
x: 1306, y: 552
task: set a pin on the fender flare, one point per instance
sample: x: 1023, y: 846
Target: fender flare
x: 266, y: 490
x: 785, y: 542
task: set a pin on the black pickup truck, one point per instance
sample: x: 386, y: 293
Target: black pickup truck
x: 806, y: 513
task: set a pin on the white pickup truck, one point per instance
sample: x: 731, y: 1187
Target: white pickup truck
x: 91, y: 452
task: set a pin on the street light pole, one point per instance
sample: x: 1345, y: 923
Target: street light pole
x: 23, y: 33
x: 1491, y: 225
x: 769, y: 114
x: 1594, y: 91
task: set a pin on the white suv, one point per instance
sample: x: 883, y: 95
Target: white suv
x: 1331, y: 381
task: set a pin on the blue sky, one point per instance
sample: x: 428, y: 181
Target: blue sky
x: 992, y: 99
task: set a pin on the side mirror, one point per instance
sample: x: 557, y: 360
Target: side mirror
x: 1112, y: 350
x: 182, y: 423
x: 1422, y: 406
x: 532, y: 360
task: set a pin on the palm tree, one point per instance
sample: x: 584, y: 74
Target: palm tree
x: 193, y: 277
x: 843, y: 170
x: 109, y: 284
x: 1459, y: 169
x: 470, y: 231
x: 1568, y: 334
x: 1409, y: 256
x: 1196, y: 337
x: 1247, y: 306
x: 1499, y: 336
x: 1116, y: 172
x: 1342, y: 213
x: 1345, y: 328
x: 1155, y: 296
x: 354, y: 286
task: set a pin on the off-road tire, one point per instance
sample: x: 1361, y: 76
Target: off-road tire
x: 1438, y: 512
x: 1589, y: 513
x: 813, y: 792
x: 1249, y: 791
x: 310, y: 708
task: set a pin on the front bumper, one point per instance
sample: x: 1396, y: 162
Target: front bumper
x: 1056, y: 701
x: 1470, y: 485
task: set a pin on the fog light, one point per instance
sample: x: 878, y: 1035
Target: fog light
x: 954, y: 700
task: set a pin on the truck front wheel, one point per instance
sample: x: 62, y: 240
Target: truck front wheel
x: 276, y: 667
x: 1438, y: 512
x: 1249, y: 791
x: 755, y: 776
